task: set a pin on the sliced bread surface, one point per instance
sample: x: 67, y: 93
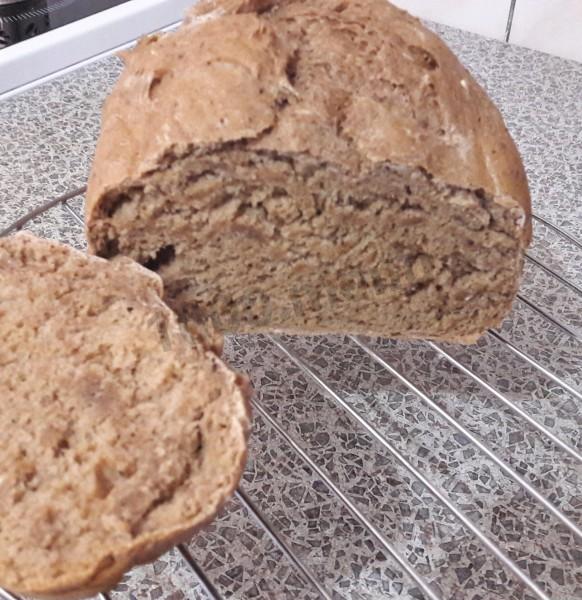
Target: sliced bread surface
x: 123, y: 434
x: 312, y: 166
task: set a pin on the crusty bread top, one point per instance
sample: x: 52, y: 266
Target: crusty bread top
x: 352, y: 82
x: 121, y: 434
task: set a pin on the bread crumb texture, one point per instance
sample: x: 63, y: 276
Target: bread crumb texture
x: 312, y: 166
x: 121, y: 433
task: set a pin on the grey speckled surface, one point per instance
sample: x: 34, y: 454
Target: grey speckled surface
x: 47, y: 137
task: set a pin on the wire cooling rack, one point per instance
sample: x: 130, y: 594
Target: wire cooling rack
x: 433, y: 471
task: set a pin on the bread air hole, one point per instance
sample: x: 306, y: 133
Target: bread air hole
x: 114, y: 203
x: 164, y: 256
x: 423, y: 58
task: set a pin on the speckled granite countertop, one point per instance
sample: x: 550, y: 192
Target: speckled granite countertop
x: 47, y: 136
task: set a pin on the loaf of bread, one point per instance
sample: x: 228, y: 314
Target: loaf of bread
x: 312, y: 166
x: 121, y: 433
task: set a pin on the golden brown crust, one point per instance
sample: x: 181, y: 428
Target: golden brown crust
x: 74, y: 298
x: 351, y: 82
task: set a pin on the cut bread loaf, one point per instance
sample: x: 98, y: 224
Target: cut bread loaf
x: 312, y: 166
x: 122, y: 434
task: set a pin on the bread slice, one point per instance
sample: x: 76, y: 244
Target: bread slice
x: 122, y: 434
x: 312, y: 166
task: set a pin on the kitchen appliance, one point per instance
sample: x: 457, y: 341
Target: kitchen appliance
x: 40, y: 39
x: 23, y: 19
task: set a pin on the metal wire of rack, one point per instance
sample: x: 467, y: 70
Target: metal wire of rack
x: 308, y: 575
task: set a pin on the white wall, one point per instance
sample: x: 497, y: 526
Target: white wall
x: 553, y: 26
